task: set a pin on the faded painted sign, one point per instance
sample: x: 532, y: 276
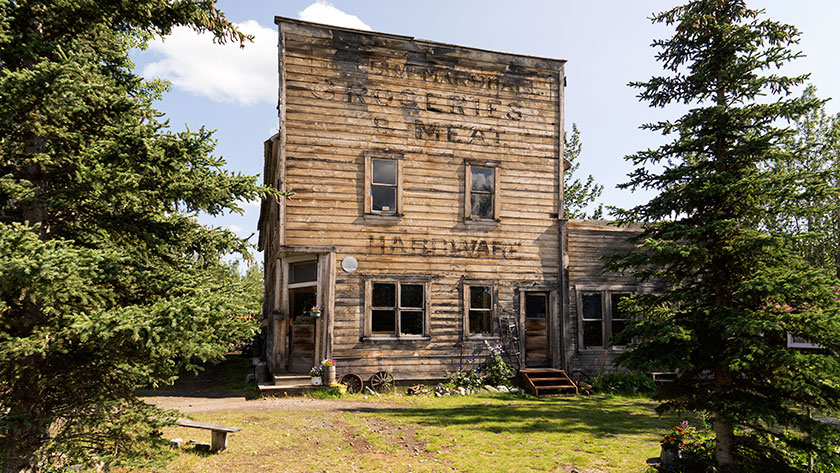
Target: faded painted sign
x: 449, y: 246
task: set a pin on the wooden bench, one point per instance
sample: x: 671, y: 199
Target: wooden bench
x: 218, y: 439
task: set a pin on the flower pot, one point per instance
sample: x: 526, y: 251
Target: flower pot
x: 316, y: 380
x: 329, y: 372
x: 668, y: 458
x: 314, y: 313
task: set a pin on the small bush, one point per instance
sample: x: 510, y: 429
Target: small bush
x: 497, y: 371
x: 623, y: 382
x: 469, y: 376
x: 336, y: 390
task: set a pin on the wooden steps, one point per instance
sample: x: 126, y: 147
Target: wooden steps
x: 289, y: 384
x: 539, y: 380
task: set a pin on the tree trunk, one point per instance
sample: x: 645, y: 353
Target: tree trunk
x: 724, y: 447
x: 35, y: 212
x: 19, y: 447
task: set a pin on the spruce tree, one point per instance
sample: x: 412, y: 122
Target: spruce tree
x: 735, y: 289
x: 814, y: 153
x: 107, y: 281
x: 579, y: 195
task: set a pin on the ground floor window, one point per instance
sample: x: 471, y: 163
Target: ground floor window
x: 600, y: 317
x: 396, y: 308
x: 480, y: 303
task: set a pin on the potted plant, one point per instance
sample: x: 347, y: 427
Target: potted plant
x: 315, y: 375
x: 328, y: 368
x: 673, y: 442
x: 315, y: 312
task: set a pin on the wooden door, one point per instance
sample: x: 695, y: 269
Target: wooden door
x: 537, y: 317
x: 301, y: 330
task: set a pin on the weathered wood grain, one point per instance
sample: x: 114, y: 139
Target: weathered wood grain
x: 348, y: 93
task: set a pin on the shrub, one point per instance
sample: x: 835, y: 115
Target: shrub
x: 623, y: 382
x: 497, y: 370
x: 468, y: 376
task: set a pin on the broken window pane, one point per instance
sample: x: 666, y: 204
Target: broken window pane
x: 383, y: 199
x: 384, y: 172
x: 481, y: 205
x: 481, y: 297
x: 384, y: 295
x: 411, y: 295
x: 482, y: 179
x: 411, y: 322
x: 383, y: 321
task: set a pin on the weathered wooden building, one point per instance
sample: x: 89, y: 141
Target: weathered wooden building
x: 427, y: 208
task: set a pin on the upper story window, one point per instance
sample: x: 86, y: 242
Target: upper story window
x: 600, y: 317
x: 482, y: 191
x: 383, y: 184
x: 396, y: 308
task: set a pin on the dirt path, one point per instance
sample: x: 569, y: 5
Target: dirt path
x: 194, y: 404
x: 202, y: 392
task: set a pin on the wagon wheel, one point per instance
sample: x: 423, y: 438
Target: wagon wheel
x: 579, y: 376
x: 353, y: 382
x: 382, y: 381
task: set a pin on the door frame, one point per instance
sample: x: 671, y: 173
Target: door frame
x: 285, y: 298
x: 552, y: 321
x: 311, y: 288
x: 324, y: 297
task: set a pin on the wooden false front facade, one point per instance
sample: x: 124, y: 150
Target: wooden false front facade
x: 427, y: 204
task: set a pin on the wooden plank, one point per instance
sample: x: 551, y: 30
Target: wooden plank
x: 207, y: 426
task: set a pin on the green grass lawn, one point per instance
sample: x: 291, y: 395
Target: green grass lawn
x: 484, y: 433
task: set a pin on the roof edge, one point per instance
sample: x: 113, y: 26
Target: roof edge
x: 281, y: 19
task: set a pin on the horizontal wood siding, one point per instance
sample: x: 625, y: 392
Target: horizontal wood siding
x: 589, y: 241
x: 351, y: 93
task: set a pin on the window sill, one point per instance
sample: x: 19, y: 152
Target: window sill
x: 482, y: 223
x: 382, y: 219
x: 394, y: 338
x: 602, y: 349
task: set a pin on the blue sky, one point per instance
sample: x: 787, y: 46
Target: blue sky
x: 606, y: 43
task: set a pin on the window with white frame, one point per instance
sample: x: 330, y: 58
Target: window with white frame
x: 383, y: 184
x: 601, y: 317
x: 480, y: 308
x: 396, y: 308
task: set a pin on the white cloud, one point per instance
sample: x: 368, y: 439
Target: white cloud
x: 224, y: 73
x: 323, y: 12
x: 249, y: 205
